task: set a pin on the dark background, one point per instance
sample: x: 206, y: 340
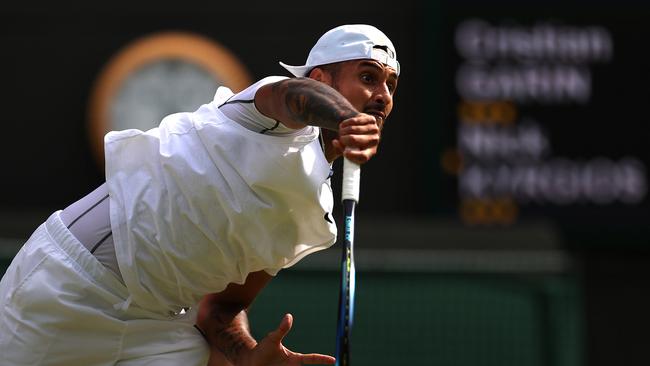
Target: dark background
x: 52, y: 54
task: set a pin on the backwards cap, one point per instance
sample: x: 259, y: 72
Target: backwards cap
x: 348, y: 42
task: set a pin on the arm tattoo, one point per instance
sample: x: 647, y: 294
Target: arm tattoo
x: 232, y: 340
x: 315, y: 103
x: 232, y: 333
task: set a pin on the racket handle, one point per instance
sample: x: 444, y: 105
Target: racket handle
x: 351, y: 181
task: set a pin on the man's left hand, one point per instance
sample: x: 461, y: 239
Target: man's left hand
x: 271, y: 352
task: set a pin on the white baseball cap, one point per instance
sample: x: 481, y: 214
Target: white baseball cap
x: 345, y: 43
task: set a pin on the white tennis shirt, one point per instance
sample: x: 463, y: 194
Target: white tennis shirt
x: 200, y: 202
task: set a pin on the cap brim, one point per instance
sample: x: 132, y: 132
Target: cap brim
x: 298, y: 71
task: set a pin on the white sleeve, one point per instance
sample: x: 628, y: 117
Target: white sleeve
x: 241, y: 109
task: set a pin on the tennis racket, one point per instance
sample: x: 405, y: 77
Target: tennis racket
x: 350, y: 197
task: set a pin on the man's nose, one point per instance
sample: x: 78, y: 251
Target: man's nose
x: 383, y: 95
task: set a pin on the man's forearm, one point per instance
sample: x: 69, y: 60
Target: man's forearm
x: 234, y: 338
x: 314, y: 103
x: 222, y: 316
x: 227, y: 333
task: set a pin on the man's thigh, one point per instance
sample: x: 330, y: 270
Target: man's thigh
x: 44, y: 319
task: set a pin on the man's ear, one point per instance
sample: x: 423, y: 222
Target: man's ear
x: 319, y: 75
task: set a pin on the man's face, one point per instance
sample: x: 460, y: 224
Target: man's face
x: 368, y: 85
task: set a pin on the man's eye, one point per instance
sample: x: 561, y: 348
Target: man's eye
x: 367, y: 78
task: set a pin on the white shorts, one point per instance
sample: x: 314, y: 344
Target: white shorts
x: 60, y: 306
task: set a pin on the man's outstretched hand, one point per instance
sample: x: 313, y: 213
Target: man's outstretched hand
x: 271, y: 352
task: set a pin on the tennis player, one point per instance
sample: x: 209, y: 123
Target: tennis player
x: 158, y: 265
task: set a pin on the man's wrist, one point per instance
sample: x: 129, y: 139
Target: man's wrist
x: 235, y: 340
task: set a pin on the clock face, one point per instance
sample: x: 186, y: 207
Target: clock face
x: 158, y: 89
x: 155, y: 76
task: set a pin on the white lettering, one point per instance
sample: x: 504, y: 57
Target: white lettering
x: 478, y: 40
x: 599, y: 181
x: 542, y: 83
x: 489, y: 142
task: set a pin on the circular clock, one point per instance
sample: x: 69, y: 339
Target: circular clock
x: 155, y: 76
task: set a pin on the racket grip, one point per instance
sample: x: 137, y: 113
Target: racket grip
x: 351, y: 181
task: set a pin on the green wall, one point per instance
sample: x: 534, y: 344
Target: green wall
x: 432, y: 318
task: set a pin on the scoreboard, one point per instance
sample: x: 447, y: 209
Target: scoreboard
x: 543, y: 118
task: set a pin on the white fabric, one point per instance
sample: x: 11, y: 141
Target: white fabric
x: 201, y: 202
x: 59, y: 308
x: 241, y: 109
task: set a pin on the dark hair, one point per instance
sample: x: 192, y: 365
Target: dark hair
x: 332, y: 69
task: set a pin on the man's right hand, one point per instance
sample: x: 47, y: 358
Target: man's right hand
x: 358, y: 138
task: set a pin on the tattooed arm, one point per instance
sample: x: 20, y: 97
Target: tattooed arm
x: 222, y: 319
x: 299, y: 102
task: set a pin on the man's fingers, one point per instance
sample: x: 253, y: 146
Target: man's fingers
x: 359, y: 156
x: 359, y: 129
x: 359, y: 148
x: 361, y: 119
x: 358, y: 138
x: 283, y: 329
x: 359, y: 142
x: 315, y: 358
